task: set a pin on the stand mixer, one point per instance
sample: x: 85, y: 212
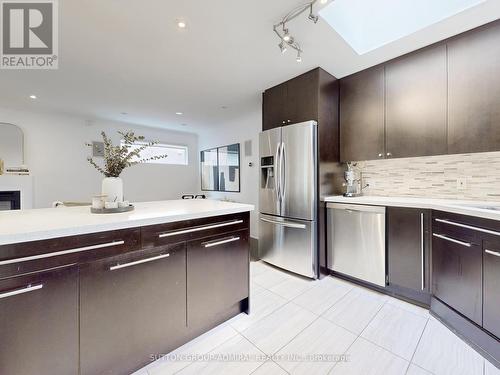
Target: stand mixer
x: 353, y: 182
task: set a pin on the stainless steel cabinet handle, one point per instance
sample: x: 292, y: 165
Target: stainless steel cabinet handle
x: 220, y: 242
x: 135, y: 263
x: 452, y: 240
x: 64, y: 252
x: 491, y: 252
x: 198, y: 229
x: 28, y: 289
x: 422, y: 249
x: 495, y: 233
x: 284, y: 224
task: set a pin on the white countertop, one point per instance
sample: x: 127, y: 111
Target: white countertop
x: 464, y: 207
x: 46, y: 223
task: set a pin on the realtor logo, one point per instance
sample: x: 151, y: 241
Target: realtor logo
x: 29, y: 37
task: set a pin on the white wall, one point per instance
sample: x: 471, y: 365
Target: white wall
x: 56, y: 154
x: 246, y: 127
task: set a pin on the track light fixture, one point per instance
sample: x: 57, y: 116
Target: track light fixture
x: 284, y: 34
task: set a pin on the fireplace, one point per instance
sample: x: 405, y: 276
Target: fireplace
x: 10, y: 200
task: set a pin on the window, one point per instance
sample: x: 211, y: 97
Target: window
x: 368, y: 24
x: 177, y: 155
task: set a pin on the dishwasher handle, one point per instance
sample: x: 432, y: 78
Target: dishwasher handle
x: 356, y: 208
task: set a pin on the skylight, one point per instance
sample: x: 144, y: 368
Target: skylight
x: 369, y: 24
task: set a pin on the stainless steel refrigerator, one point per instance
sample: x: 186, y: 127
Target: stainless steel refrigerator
x: 288, y: 198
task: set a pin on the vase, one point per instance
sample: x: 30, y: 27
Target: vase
x: 112, y: 188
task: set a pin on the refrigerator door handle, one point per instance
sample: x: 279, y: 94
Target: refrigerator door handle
x: 278, y: 174
x: 283, y: 172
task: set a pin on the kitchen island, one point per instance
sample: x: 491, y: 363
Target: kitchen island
x: 107, y: 294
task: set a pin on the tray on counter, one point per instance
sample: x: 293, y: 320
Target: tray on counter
x: 112, y: 210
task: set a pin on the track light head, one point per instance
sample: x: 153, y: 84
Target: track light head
x: 313, y: 18
x: 282, y: 47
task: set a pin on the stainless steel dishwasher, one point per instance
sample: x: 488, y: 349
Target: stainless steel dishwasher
x: 356, y: 241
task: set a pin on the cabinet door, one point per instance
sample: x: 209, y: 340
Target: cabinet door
x: 362, y: 115
x: 225, y: 258
x: 274, y: 107
x: 457, y: 273
x: 407, y: 231
x: 302, y: 98
x: 416, y: 104
x: 132, y: 307
x: 491, y: 292
x: 39, y: 323
x: 474, y: 91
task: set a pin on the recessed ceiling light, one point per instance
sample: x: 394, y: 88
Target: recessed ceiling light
x: 32, y: 96
x: 224, y: 107
x: 179, y: 113
x: 124, y: 113
x: 181, y: 24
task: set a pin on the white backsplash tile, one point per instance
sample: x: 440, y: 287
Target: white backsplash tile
x: 435, y: 176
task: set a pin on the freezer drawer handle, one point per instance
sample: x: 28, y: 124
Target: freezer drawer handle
x: 220, y: 242
x: 495, y: 233
x: 135, y: 263
x: 491, y: 252
x: 198, y: 229
x: 284, y: 224
x: 64, y: 252
x: 452, y: 240
x: 28, y: 289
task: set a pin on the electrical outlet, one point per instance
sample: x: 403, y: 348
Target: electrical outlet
x: 462, y: 183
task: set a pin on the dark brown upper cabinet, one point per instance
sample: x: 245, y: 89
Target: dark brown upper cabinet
x: 274, y: 107
x: 362, y: 115
x: 300, y: 99
x: 416, y: 91
x: 474, y: 91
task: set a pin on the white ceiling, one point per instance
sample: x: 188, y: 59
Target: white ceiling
x: 129, y: 56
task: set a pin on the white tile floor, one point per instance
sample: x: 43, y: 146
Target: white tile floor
x: 322, y: 322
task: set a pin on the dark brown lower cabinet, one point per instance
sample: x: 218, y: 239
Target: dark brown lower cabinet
x: 408, y: 253
x: 491, y: 285
x: 132, y: 307
x: 39, y: 323
x: 457, y: 270
x: 216, y: 268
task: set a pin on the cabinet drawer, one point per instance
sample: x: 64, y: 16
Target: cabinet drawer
x: 34, y: 256
x: 39, y: 323
x: 223, y: 260
x: 457, y: 274
x: 132, y: 307
x: 158, y: 235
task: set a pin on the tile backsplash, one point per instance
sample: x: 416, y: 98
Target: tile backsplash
x: 435, y: 176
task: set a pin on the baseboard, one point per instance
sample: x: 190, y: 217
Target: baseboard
x: 480, y: 340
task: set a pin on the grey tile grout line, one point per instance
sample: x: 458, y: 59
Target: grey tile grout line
x: 418, y: 343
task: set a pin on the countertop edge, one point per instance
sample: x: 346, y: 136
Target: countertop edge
x: 450, y: 206
x: 105, y: 227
